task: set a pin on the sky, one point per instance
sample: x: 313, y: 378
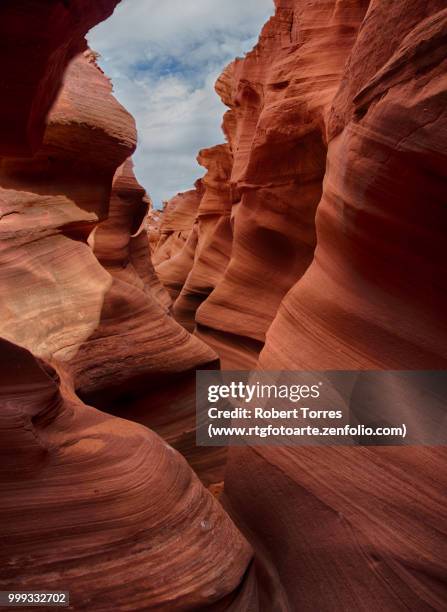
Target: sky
x: 163, y: 57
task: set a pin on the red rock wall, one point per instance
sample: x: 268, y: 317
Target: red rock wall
x: 375, y: 284
x: 336, y: 140
x: 51, y: 33
x: 276, y: 128
x: 81, y: 308
x: 372, y: 298
x: 214, y: 235
x: 176, y: 224
x: 52, y: 285
x: 135, y: 341
x: 100, y: 313
x: 102, y: 507
x: 340, y: 114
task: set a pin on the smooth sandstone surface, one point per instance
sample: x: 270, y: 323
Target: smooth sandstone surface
x: 52, y: 285
x: 214, y: 235
x: 177, y: 221
x: 315, y: 240
x: 102, y: 507
x: 51, y: 204
x: 375, y: 286
x: 51, y: 34
x: 135, y: 342
x: 276, y: 128
x: 279, y: 97
x: 372, y: 298
x: 361, y: 529
x: 110, y: 499
x: 339, y: 114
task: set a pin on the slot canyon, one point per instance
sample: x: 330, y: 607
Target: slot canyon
x: 314, y: 241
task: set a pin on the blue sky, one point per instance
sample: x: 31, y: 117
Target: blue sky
x: 164, y: 58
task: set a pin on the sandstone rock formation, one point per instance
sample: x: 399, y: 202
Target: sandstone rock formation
x: 102, y: 507
x: 52, y: 285
x: 213, y: 237
x: 363, y: 529
x: 382, y: 300
x: 371, y: 299
x: 139, y: 363
x: 50, y: 34
x: 73, y: 297
x: 153, y: 222
x: 276, y: 130
x: 177, y: 222
x: 315, y: 241
x: 343, y: 100
x: 135, y: 341
x: 79, y: 291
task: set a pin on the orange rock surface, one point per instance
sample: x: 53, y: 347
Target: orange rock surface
x: 368, y: 290
x: 79, y: 291
x: 135, y: 341
x: 50, y: 34
x: 372, y: 299
x: 52, y: 285
x: 102, y: 507
x: 213, y: 237
x: 177, y: 222
x: 153, y: 223
x: 314, y: 241
x: 341, y: 106
x: 279, y: 97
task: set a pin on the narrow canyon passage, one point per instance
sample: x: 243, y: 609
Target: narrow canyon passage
x: 313, y: 242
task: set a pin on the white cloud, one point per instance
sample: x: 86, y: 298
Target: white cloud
x: 163, y: 59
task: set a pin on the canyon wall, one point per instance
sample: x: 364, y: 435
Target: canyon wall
x: 102, y: 507
x: 213, y: 236
x: 39, y: 38
x: 314, y: 241
x: 279, y: 97
x: 337, y: 129
x: 177, y: 220
x: 91, y: 503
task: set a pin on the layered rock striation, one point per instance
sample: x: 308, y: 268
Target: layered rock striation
x: 279, y: 97
x: 135, y: 342
x: 372, y: 299
x: 375, y: 284
x: 51, y: 34
x: 338, y: 115
x: 314, y: 241
x: 52, y: 285
x: 177, y: 222
x: 102, y: 507
x: 213, y: 235
x: 82, y: 310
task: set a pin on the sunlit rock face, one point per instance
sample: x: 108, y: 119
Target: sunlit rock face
x: 135, y: 342
x: 177, y: 222
x: 52, y: 285
x: 78, y: 285
x: 56, y: 292
x: 314, y: 241
x: 213, y: 235
x: 279, y: 97
x: 153, y: 222
x: 90, y: 503
x: 368, y: 289
x: 51, y: 33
